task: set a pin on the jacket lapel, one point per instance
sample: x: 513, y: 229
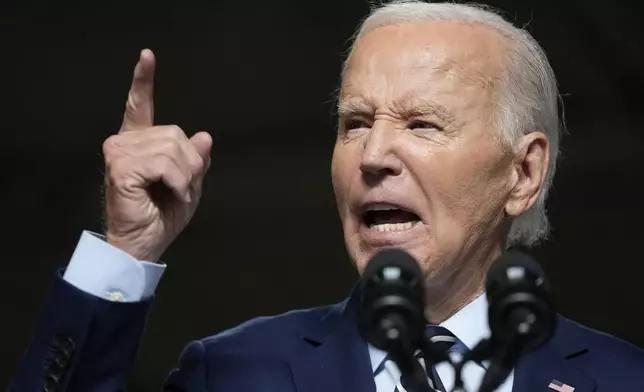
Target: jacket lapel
x: 561, y: 359
x: 333, y: 355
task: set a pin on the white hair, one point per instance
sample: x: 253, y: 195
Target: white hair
x: 528, y: 91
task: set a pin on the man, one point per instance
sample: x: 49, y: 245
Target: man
x: 447, y: 143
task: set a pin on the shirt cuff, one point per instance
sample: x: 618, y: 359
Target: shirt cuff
x: 105, y: 271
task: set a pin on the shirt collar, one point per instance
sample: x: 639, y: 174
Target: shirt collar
x: 469, y: 325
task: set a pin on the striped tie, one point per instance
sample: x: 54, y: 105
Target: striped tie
x: 441, y: 339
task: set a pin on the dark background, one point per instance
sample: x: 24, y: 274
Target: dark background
x: 259, y: 75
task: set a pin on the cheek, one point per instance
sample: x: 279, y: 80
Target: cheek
x: 464, y: 189
x: 345, y: 173
x: 336, y: 173
x: 342, y: 172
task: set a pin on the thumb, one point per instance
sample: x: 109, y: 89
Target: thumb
x: 202, y: 142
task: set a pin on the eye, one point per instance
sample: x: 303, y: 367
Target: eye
x: 352, y: 124
x: 423, y: 125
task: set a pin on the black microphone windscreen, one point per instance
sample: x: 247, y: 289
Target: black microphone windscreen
x: 391, y: 313
x: 520, y: 311
x: 514, y: 267
x: 392, y: 257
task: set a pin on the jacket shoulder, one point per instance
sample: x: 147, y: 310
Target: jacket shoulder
x: 235, y: 359
x: 268, y: 335
x: 606, y: 345
x: 610, y: 360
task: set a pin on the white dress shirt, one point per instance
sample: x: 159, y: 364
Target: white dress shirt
x: 469, y: 325
x: 105, y: 271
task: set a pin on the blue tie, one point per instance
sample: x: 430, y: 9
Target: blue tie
x: 444, y: 341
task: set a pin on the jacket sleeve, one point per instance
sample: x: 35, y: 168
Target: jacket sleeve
x: 81, y: 343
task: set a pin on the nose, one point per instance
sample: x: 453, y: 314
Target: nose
x: 378, y: 157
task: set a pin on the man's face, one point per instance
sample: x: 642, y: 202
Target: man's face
x: 418, y: 163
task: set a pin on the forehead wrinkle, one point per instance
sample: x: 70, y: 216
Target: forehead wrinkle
x: 473, y: 68
x: 466, y: 70
x: 412, y: 103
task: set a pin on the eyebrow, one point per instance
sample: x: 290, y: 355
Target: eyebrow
x: 420, y: 107
x: 408, y: 107
x: 354, y: 105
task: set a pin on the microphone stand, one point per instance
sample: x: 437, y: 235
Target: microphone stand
x: 499, y: 369
x: 402, y: 352
x: 503, y: 354
x: 433, y: 356
x: 413, y: 376
x: 502, y: 359
x: 484, y: 350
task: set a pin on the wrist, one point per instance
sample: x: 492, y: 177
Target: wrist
x: 137, y: 247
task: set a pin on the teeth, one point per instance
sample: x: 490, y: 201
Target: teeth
x: 392, y: 226
x: 383, y: 207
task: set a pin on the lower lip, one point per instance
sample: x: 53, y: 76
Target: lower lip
x: 374, y: 237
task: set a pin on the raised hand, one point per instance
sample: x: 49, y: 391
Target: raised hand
x: 153, y: 174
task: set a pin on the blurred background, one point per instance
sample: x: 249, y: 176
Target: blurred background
x: 260, y: 76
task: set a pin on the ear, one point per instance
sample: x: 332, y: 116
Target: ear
x: 530, y: 168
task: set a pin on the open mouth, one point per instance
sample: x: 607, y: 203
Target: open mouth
x: 384, y: 218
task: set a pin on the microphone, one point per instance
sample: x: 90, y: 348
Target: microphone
x: 520, y: 313
x: 392, y: 311
x: 393, y: 300
x: 520, y: 309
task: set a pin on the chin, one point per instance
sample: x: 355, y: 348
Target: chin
x: 361, y: 254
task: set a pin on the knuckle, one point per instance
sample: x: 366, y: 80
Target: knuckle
x: 195, y: 161
x: 181, y: 175
x: 185, y: 181
x: 175, y: 132
x: 176, y: 149
x: 171, y: 147
x: 196, y: 164
x: 169, y: 168
x: 110, y: 144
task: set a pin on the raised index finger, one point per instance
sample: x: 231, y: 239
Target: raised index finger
x: 139, y: 109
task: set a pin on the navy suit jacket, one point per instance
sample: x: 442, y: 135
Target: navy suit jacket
x: 86, y: 344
